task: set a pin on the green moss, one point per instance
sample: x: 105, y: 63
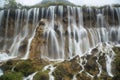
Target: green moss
x: 66, y: 69
x: 41, y: 76
x: 59, y: 73
x: 63, y: 70
x: 117, y: 50
x: 83, y: 76
x: 8, y: 65
x: 12, y: 76
x: 25, y: 67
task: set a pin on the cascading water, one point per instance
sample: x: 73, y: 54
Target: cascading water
x: 6, y: 32
x: 68, y: 31
x: 1, y: 72
x: 76, y: 38
x: 30, y: 77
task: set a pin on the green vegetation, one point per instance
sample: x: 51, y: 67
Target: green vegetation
x: 42, y: 75
x: 9, y: 65
x: 12, y: 76
x: 55, y: 2
x: 66, y: 70
x: 116, y: 5
x: 17, y: 69
x: 46, y: 3
x: 25, y: 67
x: 11, y: 4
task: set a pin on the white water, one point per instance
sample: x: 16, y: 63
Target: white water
x: 6, y: 31
x: 63, y: 41
x: 1, y: 72
x: 28, y: 46
x: 100, y: 67
x: 51, y: 68
x: 109, y: 57
x: 79, y: 38
x: 1, y: 16
x: 19, y: 37
x: 74, y: 77
x: 30, y: 77
x: 4, y: 57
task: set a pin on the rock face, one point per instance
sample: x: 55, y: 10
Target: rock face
x: 67, y: 69
x: 80, y: 68
x: 63, y: 32
x: 18, y: 25
x: 38, y: 40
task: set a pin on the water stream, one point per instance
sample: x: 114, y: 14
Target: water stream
x: 70, y: 31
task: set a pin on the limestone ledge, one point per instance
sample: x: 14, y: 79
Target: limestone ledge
x: 65, y: 70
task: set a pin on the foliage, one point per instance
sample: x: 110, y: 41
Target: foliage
x: 11, y: 4
x: 66, y: 70
x: 25, y: 67
x: 12, y: 76
x: 53, y: 4
x: 42, y: 75
x: 8, y: 65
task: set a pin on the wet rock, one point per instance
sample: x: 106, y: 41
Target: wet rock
x: 83, y: 76
x: 42, y: 75
x: 8, y: 65
x: 66, y: 70
x: 91, y: 65
x: 117, y: 64
x: 38, y: 41
x: 23, y: 47
x: 104, y: 77
x: 102, y: 61
x: 26, y: 67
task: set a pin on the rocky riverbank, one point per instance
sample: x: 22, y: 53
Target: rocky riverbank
x: 80, y: 68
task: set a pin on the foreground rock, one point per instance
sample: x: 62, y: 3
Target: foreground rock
x: 81, y: 68
x: 117, y: 64
x: 38, y: 41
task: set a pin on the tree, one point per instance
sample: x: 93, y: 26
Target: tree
x: 11, y: 4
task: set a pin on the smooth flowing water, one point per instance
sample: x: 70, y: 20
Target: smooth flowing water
x: 30, y: 77
x: 1, y: 72
x: 69, y: 31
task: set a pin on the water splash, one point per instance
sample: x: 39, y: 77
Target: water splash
x: 51, y: 68
x: 30, y: 77
x: 4, y: 57
x: 1, y: 72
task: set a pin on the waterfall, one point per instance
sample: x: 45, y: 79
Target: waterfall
x: 1, y: 25
x: 6, y: 31
x: 59, y: 33
x: 30, y: 77
x: 1, y: 72
x: 69, y: 31
x: 51, y: 68
x: 1, y: 16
